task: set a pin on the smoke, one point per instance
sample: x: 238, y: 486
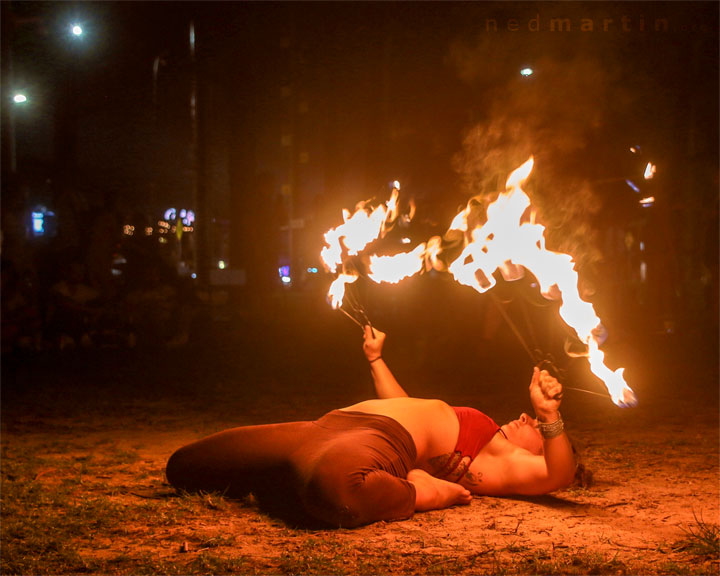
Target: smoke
x: 564, y: 114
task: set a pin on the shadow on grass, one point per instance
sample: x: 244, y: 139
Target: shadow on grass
x: 554, y: 502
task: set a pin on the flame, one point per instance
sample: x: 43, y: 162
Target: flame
x: 494, y: 244
x: 519, y: 175
x: 509, y: 241
x: 619, y: 391
x: 395, y: 268
x: 460, y: 222
x: 336, y: 293
x: 357, y: 231
x: 432, y: 254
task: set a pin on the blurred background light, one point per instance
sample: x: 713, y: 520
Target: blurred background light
x: 632, y: 185
x: 38, y: 223
x: 284, y: 273
x: 650, y: 170
x: 647, y: 202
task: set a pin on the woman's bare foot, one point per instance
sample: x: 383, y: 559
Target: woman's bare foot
x: 432, y: 493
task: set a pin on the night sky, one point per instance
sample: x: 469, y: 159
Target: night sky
x: 305, y: 108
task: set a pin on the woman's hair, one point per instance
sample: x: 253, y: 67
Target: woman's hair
x: 583, y: 475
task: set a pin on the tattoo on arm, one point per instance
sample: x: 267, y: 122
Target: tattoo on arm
x: 454, y: 468
x: 444, y: 464
x: 473, y: 478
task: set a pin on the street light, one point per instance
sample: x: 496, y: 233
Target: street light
x: 19, y: 98
x: 76, y: 30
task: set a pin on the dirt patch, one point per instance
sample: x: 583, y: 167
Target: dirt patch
x: 85, y: 441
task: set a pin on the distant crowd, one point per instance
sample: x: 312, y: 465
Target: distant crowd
x: 63, y: 301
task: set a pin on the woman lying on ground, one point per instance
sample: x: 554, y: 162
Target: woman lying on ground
x: 386, y: 458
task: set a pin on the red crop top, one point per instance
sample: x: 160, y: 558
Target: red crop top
x: 476, y: 430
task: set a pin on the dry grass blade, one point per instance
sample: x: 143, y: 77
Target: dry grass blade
x: 702, y: 538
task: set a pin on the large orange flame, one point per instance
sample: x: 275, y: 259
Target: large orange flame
x: 508, y: 242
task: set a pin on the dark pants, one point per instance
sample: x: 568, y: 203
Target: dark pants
x: 345, y: 469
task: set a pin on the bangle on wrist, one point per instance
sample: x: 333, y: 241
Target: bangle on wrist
x: 552, y: 429
x: 374, y: 359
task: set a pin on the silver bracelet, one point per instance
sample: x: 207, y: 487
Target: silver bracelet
x: 552, y: 429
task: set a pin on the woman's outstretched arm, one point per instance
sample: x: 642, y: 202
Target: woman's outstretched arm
x: 528, y: 474
x: 545, y: 395
x: 386, y: 386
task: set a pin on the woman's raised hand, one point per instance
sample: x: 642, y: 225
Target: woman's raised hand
x: 385, y: 384
x: 373, y: 340
x: 545, y: 395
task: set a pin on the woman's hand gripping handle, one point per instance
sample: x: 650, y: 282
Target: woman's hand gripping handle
x: 386, y: 386
x: 545, y: 395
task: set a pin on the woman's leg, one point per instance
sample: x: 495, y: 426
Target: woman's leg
x: 357, y: 475
x: 347, y: 470
x: 239, y: 460
x: 347, y: 488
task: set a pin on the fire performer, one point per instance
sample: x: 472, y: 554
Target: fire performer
x: 386, y: 458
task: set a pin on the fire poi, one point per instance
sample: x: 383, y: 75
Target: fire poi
x: 509, y: 241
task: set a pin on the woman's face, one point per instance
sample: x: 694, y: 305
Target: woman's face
x: 524, y: 432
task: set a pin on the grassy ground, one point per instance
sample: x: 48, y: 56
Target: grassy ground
x: 86, y: 434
